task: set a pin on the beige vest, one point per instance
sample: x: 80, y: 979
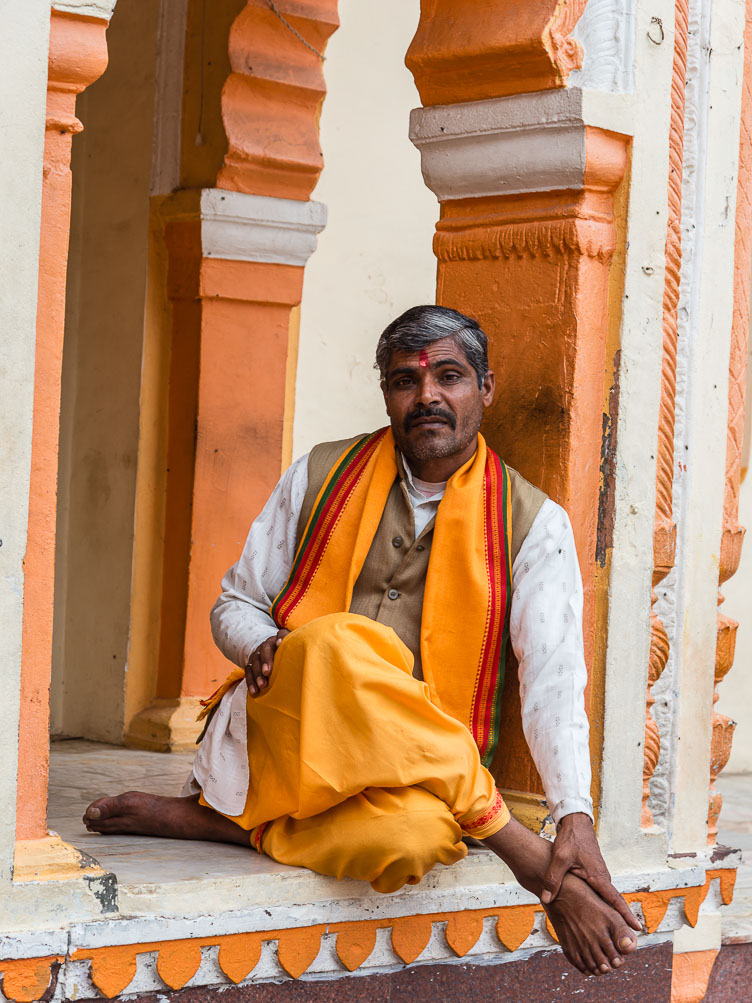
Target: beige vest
x: 390, y: 586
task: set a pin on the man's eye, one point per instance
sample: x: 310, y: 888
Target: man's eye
x: 451, y: 377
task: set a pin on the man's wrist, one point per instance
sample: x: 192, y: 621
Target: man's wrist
x: 572, y: 805
x: 574, y: 819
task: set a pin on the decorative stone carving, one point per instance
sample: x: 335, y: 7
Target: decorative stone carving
x: 606, y: 33
x: 733, y: 534
x: 664, y: 533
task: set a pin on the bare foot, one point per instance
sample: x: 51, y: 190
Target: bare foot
x: 141, y: 814
x: 593, y: 936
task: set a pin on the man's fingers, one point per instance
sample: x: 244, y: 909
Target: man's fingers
x: 554, y: 877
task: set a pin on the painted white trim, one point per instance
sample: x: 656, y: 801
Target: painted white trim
x: 502, y: 146
x: 513, y: 145
x: 259, y: 228
x: 639, y: 395
x: 24, y: 46
x: 606, y: 30
x: 86, y: 8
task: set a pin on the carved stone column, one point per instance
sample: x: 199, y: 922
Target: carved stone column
x: 524, y: 244
x: 77, y: 56
x: 664, y: 532
x: 733, y: 533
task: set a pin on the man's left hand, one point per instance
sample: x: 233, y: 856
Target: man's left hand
x: 576, y: 849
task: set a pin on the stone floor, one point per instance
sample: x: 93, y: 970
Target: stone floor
x: 735, y: 829
x: 82, y: 771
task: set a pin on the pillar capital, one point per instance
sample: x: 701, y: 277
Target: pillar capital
x: 465, y: 50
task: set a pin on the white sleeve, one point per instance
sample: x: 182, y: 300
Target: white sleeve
x: 240, y: 618
x: 546, y: 634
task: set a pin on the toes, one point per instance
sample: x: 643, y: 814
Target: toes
x: 100, y: 809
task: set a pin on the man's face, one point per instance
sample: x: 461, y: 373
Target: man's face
x: 434, y: 402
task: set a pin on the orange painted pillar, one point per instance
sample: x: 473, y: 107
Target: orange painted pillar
x: 524, y: 244
x: 236, y: 260
x: 78, y: 55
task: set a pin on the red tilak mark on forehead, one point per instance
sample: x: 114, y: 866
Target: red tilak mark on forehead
x: 423, y: 358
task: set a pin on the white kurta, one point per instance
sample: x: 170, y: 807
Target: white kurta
x: 545, y: 632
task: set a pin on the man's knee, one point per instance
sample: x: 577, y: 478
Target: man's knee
x: 409, y: 832
x: 346, y: 638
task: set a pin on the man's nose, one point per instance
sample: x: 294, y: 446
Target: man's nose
x: 428, y: 391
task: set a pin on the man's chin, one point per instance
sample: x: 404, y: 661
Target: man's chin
x: 429, y: 443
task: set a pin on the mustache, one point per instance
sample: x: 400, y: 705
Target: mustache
x: 429, y: 412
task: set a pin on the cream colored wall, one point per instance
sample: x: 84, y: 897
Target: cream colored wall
x: 736, y: 689
x: 102, y: 361
x: 374, y: 258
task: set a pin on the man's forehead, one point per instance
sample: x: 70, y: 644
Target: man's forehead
x: 443, y: 348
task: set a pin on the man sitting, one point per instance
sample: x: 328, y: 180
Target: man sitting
x: 368, y: 616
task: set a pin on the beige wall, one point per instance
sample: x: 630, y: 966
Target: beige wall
x: 374, y: 258
x: 101, y: 381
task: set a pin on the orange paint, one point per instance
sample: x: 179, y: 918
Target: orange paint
x: 468, y: 50
x: 78, y: 55
x: 229, y: 384
x: 690, y: 974
x: 534, y: 271
x: 410, y: 936
x: 26, y: 980
x: 114, y: 968
x: 272, y: 99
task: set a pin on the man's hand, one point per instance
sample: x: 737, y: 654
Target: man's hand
x: 576, y: 849
x: 259, y: 666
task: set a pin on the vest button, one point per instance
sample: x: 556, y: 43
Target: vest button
x: 397, y: 541
x: 420, y: 547
x: 393, y: 594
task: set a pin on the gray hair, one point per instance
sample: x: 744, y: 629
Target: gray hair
x: 421, y: 325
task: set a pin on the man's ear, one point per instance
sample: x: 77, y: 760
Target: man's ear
x: 488, y: 388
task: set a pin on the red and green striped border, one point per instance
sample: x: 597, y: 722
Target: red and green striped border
x: 486, y: 709
x: 329, y: 507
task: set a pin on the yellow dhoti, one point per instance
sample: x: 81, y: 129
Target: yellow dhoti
x: 354, y: 772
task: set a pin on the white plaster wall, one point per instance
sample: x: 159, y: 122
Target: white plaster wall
x: 736, y: 689
x: 374, y: 258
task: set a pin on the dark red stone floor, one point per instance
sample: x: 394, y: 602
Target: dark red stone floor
x: 731, y: 978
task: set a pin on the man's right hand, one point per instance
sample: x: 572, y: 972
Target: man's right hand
x: 260, y: 664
